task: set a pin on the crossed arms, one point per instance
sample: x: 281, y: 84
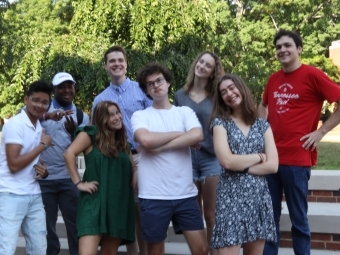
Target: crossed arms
x: 238, y: 163
x: 160, y: 141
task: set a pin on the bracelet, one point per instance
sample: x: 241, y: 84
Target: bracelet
x: 261, y: 157
x: 245, y: 170
x: 75, y: 185
x: 45, y: 146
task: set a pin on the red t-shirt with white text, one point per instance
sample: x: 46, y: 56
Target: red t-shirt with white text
x: 294, y: 106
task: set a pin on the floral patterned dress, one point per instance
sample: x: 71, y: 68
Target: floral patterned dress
x: 244, y: 210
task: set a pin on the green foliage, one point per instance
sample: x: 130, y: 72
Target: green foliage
x: 41, y: 37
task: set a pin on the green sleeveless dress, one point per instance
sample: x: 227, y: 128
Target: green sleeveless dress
x: 111, y: 209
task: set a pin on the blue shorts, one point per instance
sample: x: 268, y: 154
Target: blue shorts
x: 156, y: 215
x: 204, y: 165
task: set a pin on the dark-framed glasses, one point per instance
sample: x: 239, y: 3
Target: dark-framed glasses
x: 157, y: 82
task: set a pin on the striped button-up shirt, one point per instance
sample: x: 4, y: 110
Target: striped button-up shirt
x: 130, y: 98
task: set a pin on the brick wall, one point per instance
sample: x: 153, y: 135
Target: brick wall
x: 322, y: 196
x: 322, y: 241
x: 319, y: 241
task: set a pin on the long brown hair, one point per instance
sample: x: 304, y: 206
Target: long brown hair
x: 221, y: 110
x: 109, y: 142
x: 212, y: 81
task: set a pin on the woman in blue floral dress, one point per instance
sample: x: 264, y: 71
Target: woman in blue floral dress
x: 246, y: 150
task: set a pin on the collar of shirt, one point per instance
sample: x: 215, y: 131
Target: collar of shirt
x: 56, y: 105
x: 121, y: 88
x: 28, y: 122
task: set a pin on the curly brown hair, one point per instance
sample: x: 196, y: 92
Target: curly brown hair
x: 150, y: 69
x: 108, y: 141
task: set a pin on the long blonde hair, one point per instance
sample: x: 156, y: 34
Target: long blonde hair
x: 218, y: 72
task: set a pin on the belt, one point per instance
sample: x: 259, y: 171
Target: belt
x: 134, y: 151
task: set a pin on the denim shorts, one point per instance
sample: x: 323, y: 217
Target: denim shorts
x: 156, y: 215
x: 204, y: 165
x: 25, y: 212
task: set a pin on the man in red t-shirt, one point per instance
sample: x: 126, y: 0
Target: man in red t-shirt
x: 292, y: 103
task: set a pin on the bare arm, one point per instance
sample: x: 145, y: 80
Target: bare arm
x: 262, y: 110
x: 228, y: 160
x: 193, y: 136
x: 151, y: 140
x: 80, y: 144
x: 134, y: 173
x: 271, y: 164
x: 55, y: 115
x: 17, y: 162
x: 312, y: 139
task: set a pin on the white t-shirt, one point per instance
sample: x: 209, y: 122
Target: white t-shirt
x: 166, y: 175
x: 19, y: 130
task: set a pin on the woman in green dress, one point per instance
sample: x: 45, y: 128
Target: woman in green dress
x: 106, y: 207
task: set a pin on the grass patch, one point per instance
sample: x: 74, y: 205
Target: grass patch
x: 328, y: 156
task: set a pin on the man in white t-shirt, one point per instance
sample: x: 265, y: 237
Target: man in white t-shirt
x: 166, y: 190
x: 21, y: 206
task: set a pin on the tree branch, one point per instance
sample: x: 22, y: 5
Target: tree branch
x: 312, y: 14
x: 274, y: 23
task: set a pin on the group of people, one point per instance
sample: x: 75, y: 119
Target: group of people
x: 210, y: 155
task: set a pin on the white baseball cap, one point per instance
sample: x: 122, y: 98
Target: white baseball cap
x: 61, y: 77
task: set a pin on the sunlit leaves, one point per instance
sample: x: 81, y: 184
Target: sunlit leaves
x: 41, y: 37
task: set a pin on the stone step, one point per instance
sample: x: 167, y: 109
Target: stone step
x: 323, y: 218
x: 170, y: 249
x: 324, y: 180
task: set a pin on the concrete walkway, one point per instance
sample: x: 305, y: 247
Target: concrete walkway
x: 170, y: 249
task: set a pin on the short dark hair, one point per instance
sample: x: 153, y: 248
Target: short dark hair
x: 39, y: 86
x: 294, y: 35
x: 112, y: 49
x: 150, y: 69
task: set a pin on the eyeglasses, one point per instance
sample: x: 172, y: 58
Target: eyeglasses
x: 158, y: 82
x: 36, y: 102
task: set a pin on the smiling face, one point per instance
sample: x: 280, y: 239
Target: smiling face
x: 205, y: 66
x: 287, y: 52
x: 64, y: 93
x: 116, y: 64
x: 37, y: 104
x: 115, y: 118
x: 230, y: 94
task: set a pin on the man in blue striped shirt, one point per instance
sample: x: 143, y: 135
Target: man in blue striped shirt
x: 130, y: 98
x: 123, y: 91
